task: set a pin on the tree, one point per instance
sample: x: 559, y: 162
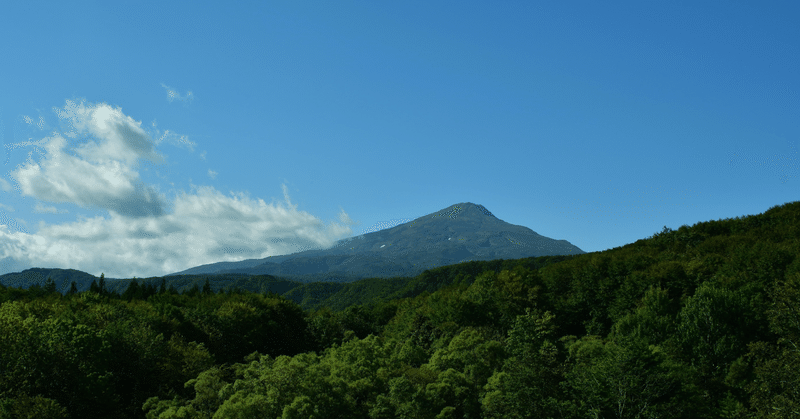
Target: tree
x: 148, y: 290
x: 271, y: 389
x: 712, y: 332
x: 193, y: 291
x: 163, y: 288
x: 774, y: 390
x: 207, y: 288
x: 38, y: 407
x: 73, y: 289
x: 651, y: 321
x: 528, y: 384
x: 466, y: 364
x: 627, y: 379
x: 133, y: 291
x: 49, y: 285
x: 207, y: 387
x: 102, y: 285
x: 35, y: 290
x: 58, y: 358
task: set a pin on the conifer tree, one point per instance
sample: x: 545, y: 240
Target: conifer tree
x: 35, y: 290
x: 102, y: 284
x: 207, y: 287
x: 49, y: 285
x: 148, y: 290
x: 73, y: 289
x: 133, y: 291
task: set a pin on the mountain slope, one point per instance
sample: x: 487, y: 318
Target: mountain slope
x: 61, y: 277
x: 459, y: 233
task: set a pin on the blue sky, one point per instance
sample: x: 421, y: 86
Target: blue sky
x: 145, y: 139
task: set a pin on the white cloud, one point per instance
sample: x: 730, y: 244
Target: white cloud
x: 145, y: 233
x: 98, y: 173
x: 41, y: 209
x: 205, y: 227
x: 172, y: 94
x: 121, y: 137
x: 345, y: 219
x: 28, y: 120
x: 16, y: 223
x: 212, y: 174
x: 4, y: 185
x: 172, y: 138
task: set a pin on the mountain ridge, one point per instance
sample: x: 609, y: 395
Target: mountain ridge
x: 459, y: 233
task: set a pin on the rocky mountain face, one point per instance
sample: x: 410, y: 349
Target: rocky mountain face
x: 460, y: 233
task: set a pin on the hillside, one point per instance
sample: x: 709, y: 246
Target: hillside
x: 698, y: 322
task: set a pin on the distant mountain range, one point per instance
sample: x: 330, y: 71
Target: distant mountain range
x: 459, y: 233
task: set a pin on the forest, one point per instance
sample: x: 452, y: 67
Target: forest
x: 698, y: 322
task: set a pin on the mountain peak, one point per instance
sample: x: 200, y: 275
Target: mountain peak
x: 458, y: 233
x: 454, y: 211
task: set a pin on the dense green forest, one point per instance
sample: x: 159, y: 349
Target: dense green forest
x: 699, y: 322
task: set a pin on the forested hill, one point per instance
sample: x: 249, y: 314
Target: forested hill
x: 699, y: 322
x: 61, y: 278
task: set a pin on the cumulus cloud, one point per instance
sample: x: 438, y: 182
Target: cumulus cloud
x: 205, y: 227
x: 145, y: 233
x: 41, y: 209
x: 212, y: 174
x: 99, y: 173
x: 172, y: 94
x: 4, y: 185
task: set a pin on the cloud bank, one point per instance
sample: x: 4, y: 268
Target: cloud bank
x: 145, y: 233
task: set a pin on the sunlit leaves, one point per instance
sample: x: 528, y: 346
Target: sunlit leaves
x: 712, y: 329
x: 776, y: 388
x: 528, y: 383
x: 631, y: 380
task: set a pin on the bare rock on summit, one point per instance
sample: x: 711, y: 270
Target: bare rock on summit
x: 459, y: 233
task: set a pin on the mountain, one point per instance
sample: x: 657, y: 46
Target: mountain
x: 61, y: 277
x: 459, y: 233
